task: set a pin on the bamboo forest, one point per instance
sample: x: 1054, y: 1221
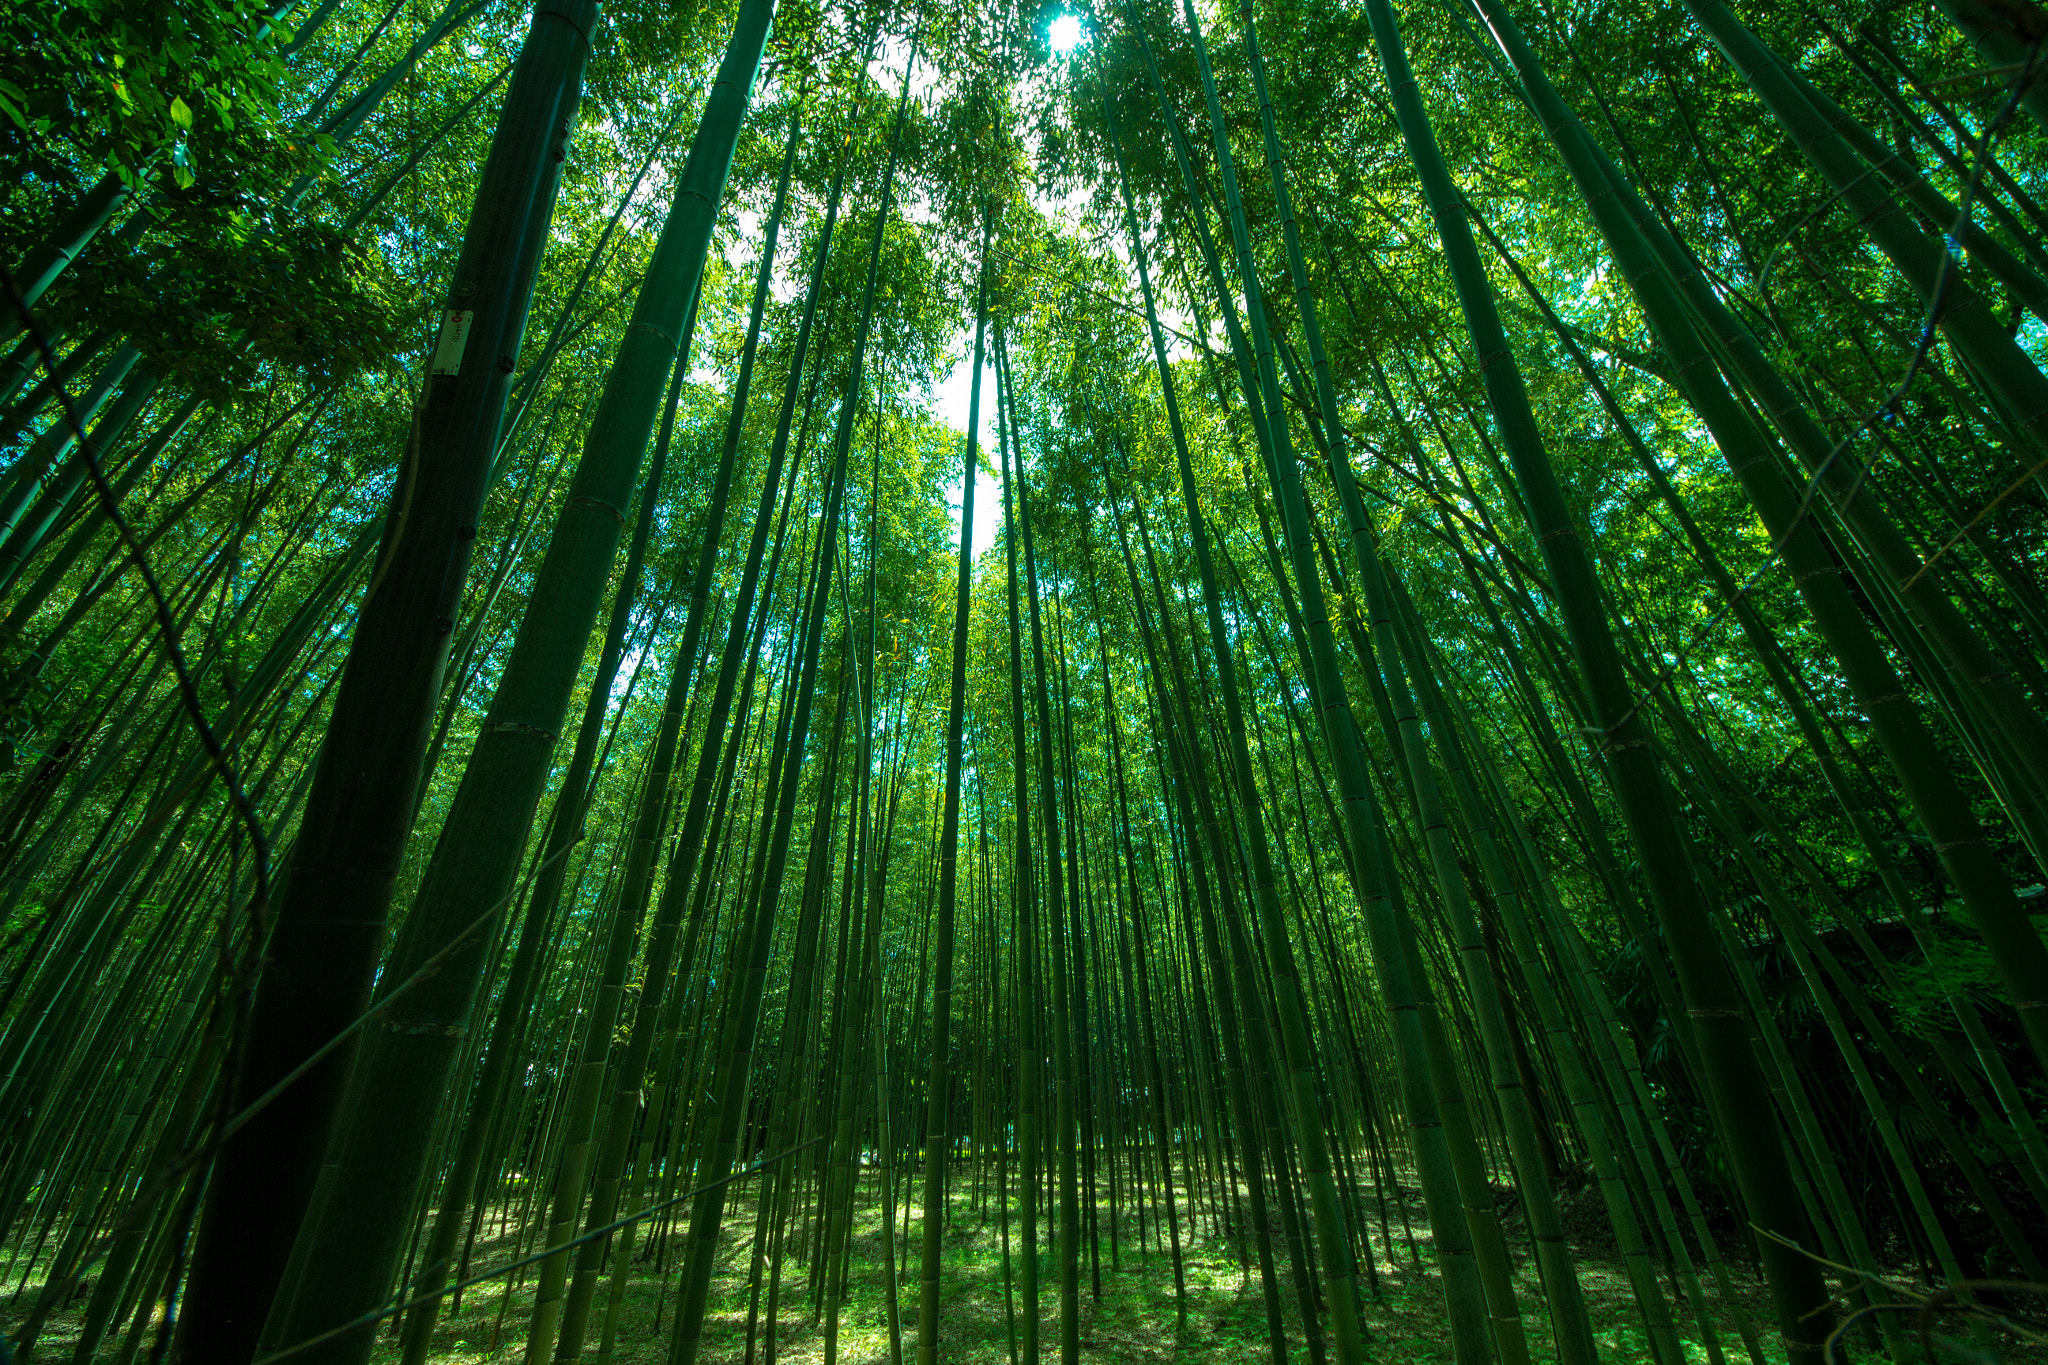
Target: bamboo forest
x: 1165, y: 682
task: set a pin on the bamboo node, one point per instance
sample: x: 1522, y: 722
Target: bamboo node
x: 650, y: 327
x: 1958, y: 843
x: 520, y: 727
x: 1712, y: 1012
x: 579, y: 21
x: 419, y: 1027
x: 617, y: 515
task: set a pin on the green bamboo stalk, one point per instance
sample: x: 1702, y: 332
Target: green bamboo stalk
x: 720, y: 1139
x: 938, y: 1142
x: 339, y: 883
x: 1734, y: 1081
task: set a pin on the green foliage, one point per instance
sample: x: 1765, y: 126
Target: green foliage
x: 217, y: 311
x: 150, y: 92
x: 1930, y: 984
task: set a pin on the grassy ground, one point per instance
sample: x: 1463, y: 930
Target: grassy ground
x: 1132, y: 1320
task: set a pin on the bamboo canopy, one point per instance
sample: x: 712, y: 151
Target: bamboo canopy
x: 1150, y: 680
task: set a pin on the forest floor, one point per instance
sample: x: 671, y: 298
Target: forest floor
x: 1131, y: 1321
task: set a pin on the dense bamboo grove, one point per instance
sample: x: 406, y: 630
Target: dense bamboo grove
x: 754, y: 679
